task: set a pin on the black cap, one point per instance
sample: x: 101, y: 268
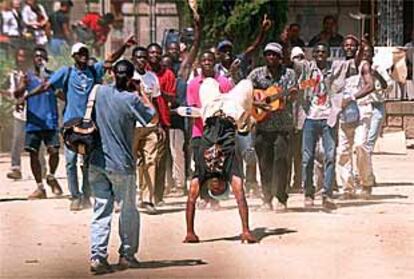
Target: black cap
x: 66, y: 2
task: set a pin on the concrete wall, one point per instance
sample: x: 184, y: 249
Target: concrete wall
x: 400, y: 116
x: 310, y: 13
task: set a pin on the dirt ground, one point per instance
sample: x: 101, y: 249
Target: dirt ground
x: 362, y: 239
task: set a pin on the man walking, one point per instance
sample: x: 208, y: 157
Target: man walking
x: 112, y: 171
x: 76, y: 82
x: 358, y: 85
x: 41, y: 125
x: 318, y: 109
x: 62, y: 36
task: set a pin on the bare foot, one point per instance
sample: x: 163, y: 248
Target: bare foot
x: 248, y: 237
x: 191, y: 238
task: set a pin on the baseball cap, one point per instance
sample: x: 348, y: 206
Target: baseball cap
x: 224, y: 43
x: 77, y: 47
x: 66, y: 2
x: 295, y: 52
x: 274, y: 47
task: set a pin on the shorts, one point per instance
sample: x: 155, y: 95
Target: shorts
x: 33, y: 140
x: 223, y: 133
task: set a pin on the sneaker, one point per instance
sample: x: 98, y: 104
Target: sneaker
x: 161, y: 203
x: 37, y: 194
x: 54, y: 184
x: 100, y: 266
x: 328, y: 203
x: 308, y: 202
x: 75, y: 204
x: 14, y: 174
x: 365, y: 193
x: 281, y: 207
x: 128, y: 262
x: 86, y: 202
x: 149, y: 206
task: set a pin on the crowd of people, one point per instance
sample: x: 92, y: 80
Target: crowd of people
x: 289, y: 116
x: 28, y: 22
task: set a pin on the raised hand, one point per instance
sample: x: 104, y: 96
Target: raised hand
x: 130, y: 41
x: 266, y: 23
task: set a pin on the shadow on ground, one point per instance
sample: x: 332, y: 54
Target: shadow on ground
x: 171, y: 263
x: 26, y: 199
x: 259, y: 233
x: 162, y: 211
x: 389, y: 184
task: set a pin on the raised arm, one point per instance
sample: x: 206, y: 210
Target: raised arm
x: 186, y: 65
x: 130, y: 41
x: 368, y: 86
x: 266, y: 24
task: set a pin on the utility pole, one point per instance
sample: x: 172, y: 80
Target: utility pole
x: 153, y: 20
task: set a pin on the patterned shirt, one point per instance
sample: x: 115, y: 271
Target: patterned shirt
x: 317, y: 99
x: 278, y: 121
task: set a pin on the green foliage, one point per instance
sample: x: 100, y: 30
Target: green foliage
x: 6, y: 105
x: 240, y: 20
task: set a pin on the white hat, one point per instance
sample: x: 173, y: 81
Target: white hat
x: 295, y: 52
x: 274, y: 47
x: 77, y: 47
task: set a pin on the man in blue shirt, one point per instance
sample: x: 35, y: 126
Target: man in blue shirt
x: 112, y: 171
x: 41, y: 124
x: 76, y: 82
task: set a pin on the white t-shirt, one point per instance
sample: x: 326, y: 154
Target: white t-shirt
x: 150, y: 86
x: 29, y: 17
x: 10, y: 25
x: 14, y: 79
x: 234, y: 103
x: 320, y: 105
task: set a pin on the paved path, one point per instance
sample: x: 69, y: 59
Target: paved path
x: 362, y: 239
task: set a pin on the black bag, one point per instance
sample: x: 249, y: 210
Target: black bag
x: 81, y: 134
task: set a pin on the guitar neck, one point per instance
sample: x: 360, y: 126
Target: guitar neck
x: 275, y: 97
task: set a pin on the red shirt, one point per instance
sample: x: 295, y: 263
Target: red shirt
x: 90, y: 20
x: 167, y: 82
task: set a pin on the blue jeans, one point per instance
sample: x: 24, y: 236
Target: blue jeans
x: 245, y: 147
x: 312, y: 131
x: 56, y: 46
x: 108, y: 187
x: 378, y: 113
x: 72, y: 174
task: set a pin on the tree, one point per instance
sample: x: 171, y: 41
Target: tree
x: 240, y: 20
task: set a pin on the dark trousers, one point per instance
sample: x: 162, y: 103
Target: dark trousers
x: 273, y: 153
x: 296, y: 152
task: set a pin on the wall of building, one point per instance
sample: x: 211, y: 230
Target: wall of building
x: 310, y: 13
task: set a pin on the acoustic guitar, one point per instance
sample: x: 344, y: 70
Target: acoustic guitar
x: 272, y: 99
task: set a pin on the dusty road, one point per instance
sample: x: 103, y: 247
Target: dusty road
x: 362, y: 239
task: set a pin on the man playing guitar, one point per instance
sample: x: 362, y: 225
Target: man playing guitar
x: 274, y: 131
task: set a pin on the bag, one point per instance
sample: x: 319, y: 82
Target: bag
x: 350, y: 114
x: 81, y: 134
